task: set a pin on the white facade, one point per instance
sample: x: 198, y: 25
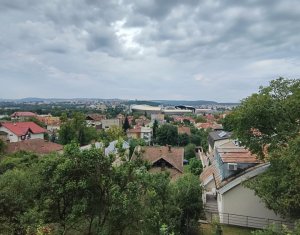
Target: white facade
x: 244, y: 208
x: 12, y: 137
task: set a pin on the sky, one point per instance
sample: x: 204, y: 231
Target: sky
x: 220, y: 50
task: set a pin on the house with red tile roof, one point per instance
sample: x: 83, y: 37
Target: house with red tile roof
x: 20, y: 131
x: 37, y: 146
x: 22, y: 116
x: 163, y: 159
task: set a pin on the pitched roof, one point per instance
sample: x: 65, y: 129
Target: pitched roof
x: 237, y: 155
x: 23, y: 114
x: 155, y: 153
x: 95, y: 117
x: 21, y: 128
x: 38, y: 146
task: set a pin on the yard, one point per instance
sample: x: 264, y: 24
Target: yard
x: 207, y: 229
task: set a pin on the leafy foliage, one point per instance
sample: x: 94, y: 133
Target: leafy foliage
x: 86, y: 192
x: 76, y: 129
x: 189, y: 151
x: 167, y: 134
x: 195, y: 166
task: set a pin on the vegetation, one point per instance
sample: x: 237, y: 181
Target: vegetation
x: 195, y: 166
x: 76, y: 129
x: 268, y: 124
x: 126, y: 124
x: 189, y: 151
x: 167, y: 134
x: 84, y: 192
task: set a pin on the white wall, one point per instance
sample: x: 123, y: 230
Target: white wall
x: 242, y: 201
x: 11, y: 136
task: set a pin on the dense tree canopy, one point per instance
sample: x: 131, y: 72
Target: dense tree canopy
x: 76, y: 129
x: 270, y: 117
x: 85, y: 192
x: 167, y: 134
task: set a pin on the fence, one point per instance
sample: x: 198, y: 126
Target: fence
x: 246, y: 221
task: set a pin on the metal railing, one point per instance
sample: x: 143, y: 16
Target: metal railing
x: 246, y: 221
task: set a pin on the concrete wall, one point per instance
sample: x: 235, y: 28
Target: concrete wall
x: 108, y: 123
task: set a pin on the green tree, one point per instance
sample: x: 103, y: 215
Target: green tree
x: 200, y: 119
x: 188, y: 198
x: 189, y: 151
x: 279, y: 186
x: 2, y: 146
x: 115, y: 133
x: 269, y: 117
x: 195, y: 166
x: 76, y: 129
x: 155, y: 126
x: 126, y: 124
x: 167, y: 134
x: 183, y: 139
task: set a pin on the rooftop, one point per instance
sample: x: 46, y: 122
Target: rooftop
x: 21, y: 128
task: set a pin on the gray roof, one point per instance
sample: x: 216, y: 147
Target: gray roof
x: 113, y: 149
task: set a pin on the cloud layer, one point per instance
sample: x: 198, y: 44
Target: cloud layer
x: 146, y: 49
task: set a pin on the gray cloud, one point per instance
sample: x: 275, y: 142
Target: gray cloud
x: 146, y: 49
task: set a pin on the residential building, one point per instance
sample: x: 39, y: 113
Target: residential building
x: 52, y: 123
x: 160, y: 118
x: 216, y: 138
x: 94, y: 119
x: 144, y: 133
x: 108, y: 123
x: 163, y: 159
x: 20, y: 131
x: 225, y: 169
x: 37, y: 146
x: 22, y: 116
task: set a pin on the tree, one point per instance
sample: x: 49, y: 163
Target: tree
x: 188, y: 198
x: 167, y: 134
x: 200, y: 119
x: 154, y: 128
x: 189, y: 151
x: 2, y: 146
x: 279, y: 186
x: 115, y: 133
x: 195, y: 166
x: 76, y: 129
x: 269, y: 117
x: 126, y: 124
x: 134, y: 143
x: 183, y: 139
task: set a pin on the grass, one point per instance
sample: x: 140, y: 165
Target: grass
x: 207, y: 229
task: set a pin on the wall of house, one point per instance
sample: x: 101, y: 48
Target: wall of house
x: 242, y: 201
x: 217, y: 144
x: 37, y: 136
x: 108, y: 123
x: 10, y: 135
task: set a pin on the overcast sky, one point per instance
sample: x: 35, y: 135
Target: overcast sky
x: 146, y: 49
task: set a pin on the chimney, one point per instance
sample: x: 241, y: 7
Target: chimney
x: 169, y: 147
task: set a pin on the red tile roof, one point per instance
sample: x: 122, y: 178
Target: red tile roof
x: 21, y: 128
x: 155, y: 153
x: 23, y: 114
x: 237, y: 155
x: 38, y: 146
